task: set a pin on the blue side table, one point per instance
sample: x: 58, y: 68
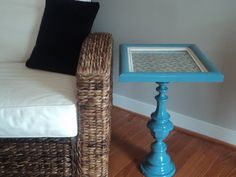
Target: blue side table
x: 163, y: 63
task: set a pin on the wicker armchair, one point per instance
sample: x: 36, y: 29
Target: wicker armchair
x: 87, y: 154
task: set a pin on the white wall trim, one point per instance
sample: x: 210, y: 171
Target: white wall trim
x: 180, y: 120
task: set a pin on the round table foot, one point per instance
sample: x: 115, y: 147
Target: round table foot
x: 167, y: 170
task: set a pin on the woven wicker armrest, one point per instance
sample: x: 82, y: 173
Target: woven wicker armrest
x: 94, y: 103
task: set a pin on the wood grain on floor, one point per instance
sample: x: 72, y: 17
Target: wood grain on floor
x: 193, y: 156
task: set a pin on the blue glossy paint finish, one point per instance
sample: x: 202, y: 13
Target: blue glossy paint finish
x: 158, y: 162
x: 213, y: 75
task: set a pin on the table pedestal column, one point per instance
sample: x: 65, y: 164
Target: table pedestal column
x: 158, y: 162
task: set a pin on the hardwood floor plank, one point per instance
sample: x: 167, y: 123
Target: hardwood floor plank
x: 199, y: 161
x: 127, y: 152
x: 224, y: 166
x: 131, y: 170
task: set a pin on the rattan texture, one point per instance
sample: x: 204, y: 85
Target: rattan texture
x: 94, y: 95
x: 87, y: 154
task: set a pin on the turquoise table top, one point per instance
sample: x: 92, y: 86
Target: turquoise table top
x: 166, y: 63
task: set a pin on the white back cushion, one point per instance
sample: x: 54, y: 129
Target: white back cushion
x: 19, y: 25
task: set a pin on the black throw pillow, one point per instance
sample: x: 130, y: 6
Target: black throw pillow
x: 64, y: 26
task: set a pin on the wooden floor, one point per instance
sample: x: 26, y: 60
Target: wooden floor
x: 193, y: 156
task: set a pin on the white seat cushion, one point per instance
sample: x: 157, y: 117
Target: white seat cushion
x: 36, y: 103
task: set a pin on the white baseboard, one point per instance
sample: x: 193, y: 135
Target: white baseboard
x: 180, y: 120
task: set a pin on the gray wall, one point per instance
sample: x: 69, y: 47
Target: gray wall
x: 211, y: 24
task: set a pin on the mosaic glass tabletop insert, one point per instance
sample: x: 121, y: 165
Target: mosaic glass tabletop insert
x: 163, y: 61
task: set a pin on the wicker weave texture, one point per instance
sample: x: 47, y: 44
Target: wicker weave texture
x: 39, y: 157
x: 82, y: 156
x: 94, y: 95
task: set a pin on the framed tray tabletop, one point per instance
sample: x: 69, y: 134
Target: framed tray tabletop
x: 166, y: 63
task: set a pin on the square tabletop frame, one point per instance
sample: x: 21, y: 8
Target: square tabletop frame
x: 207, y: 72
